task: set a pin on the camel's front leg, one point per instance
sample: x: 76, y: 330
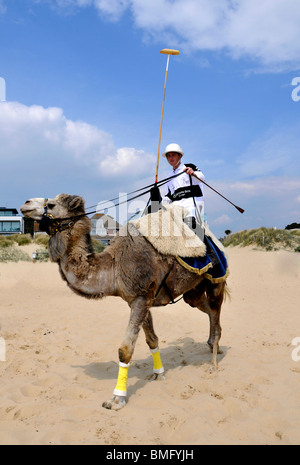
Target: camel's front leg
x: 139, y: 310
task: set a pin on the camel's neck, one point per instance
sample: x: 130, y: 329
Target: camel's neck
x: 88, y: 274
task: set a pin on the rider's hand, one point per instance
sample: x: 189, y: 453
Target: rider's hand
x: 189, y: 171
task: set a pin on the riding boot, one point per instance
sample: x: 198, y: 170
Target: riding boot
x: 210, y: 252
x: 156, y: 199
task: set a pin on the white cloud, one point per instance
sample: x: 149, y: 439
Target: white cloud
x: 113, y: 9
x: 127, y: 160
x: 43, y: 153
x: 267, y: 201
x: 221, y: 220
x: 267, y: 31
x: 37, y: 135
x: 271, y: 186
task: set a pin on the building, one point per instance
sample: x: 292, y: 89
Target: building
x: 10, y: 221
x: 104, y: 227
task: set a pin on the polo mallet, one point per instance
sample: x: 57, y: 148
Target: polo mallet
x: 165, y: 51
x: 241, y: 210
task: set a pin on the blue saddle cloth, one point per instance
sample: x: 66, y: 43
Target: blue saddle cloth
x: 214, y: 264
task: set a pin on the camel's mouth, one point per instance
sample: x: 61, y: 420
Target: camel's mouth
x: 29, y: 210
x: 25, y: 209
x: 30, y: 213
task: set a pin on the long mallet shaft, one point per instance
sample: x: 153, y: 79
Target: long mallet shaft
x: 165, y: 51
x: 241, y: 210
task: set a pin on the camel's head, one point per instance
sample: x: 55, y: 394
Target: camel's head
x: 56, y: 215
x: 63, y: 206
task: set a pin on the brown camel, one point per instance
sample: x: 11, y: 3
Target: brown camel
x: 131, y: 268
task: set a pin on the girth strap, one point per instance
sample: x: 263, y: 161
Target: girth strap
x: 164, y: 284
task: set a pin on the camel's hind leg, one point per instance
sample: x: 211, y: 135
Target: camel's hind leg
x: 215, y: 296
x: 152, y: 341
x: 208, y: 297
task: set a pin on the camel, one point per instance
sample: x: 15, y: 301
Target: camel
x: 131, y: 268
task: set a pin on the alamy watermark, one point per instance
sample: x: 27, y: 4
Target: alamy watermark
x: 176, y: 222
x: 2, y: 90
x: 296, y: 91
x: 2, y: 350
x: 296, y: 351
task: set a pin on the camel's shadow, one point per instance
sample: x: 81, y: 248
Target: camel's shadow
x: 180, y: 353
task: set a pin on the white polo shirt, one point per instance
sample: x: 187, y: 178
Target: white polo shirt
x: 179, y: 190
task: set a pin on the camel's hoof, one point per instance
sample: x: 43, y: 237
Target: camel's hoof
x: 116, y: 403
x: 156, y: 377
x: 213, y: 368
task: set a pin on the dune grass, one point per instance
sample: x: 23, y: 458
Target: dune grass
x: 265, y: 238
x: 11, y: 247
x: 262, y: 238
x: 13, y: 254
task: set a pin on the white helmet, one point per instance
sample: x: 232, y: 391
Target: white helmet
x: 173, y: 148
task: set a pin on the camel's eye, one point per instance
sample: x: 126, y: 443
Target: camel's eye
x: 50, y: 205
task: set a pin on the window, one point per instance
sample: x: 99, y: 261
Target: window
x: 7, y: 213
x: 10, y: 226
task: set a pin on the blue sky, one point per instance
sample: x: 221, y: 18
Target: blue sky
x: 84, y: 85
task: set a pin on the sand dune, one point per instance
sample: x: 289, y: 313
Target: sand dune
x: 61, y: 362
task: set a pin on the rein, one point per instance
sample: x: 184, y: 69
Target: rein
x: 52, y: 225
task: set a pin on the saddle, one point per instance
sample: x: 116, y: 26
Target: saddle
x: 170, y: 234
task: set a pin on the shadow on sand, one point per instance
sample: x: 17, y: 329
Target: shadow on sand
x: 181, y: 353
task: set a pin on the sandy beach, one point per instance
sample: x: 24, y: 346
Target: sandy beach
x: 62, y: 362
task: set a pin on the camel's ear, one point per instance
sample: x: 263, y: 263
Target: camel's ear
x: 75, y: 202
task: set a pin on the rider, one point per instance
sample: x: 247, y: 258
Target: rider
x: 185, y: 190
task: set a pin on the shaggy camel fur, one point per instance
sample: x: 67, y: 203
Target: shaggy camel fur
x: 129, y: 268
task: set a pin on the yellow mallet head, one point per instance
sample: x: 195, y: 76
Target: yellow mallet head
x: 169, y: 51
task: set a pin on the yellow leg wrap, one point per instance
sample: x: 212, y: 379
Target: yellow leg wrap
x: 157, y: 363
x: 121, y: 387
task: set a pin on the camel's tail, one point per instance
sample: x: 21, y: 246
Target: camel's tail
x: 227, y: 292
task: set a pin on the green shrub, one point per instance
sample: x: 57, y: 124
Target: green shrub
x: 23, y: 239
x: 295, y: 232
x: 13, y: 254
x: 98, y: 246
x: 42, y: 239
x: 4, y: 242
x: 265, y: 238
x: 20, y: 239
